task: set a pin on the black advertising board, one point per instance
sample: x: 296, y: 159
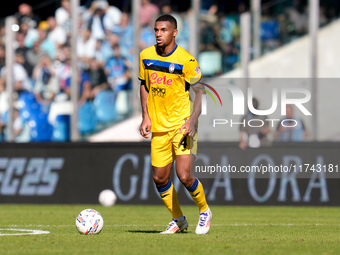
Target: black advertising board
x: 75, y: 173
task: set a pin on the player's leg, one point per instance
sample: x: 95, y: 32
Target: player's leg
x: 169, y: 196
x: 184, y: 166
x: 161, y: 177
x: 192, y: 184
x: 162, y: 161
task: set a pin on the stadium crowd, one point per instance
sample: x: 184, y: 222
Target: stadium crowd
x: 42, y: 69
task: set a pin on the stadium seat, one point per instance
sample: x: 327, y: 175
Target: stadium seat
x: 41, y: 129
x: 105, y: 106
x: 86, y: 118
x: 28, y: 105
x: 61, y: 128
x: 270, y: 29
x: 210, y: 62
x: 4, y: 117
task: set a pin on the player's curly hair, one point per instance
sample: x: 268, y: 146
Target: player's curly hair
x: 169, y: 18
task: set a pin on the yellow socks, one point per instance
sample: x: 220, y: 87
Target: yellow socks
x: 197, y: 193
x: 169, y: 197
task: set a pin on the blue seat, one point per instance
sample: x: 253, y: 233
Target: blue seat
x: 270, y: 29
x: 26, y: 98
x: 61, y: 129
x: 4, y: 117
x: 86, y: 118
x: 28, y: 105
x: 105, y: 106
x: 41, y: 129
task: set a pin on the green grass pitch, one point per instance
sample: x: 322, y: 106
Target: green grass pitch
x: 134, y: 230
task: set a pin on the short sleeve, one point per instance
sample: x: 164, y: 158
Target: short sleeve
x: 141, y: 75
x: 192, y: 71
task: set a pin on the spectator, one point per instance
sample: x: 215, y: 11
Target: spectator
x: 102, y: 18
x: 86, y: 47
x: 45, y: 43
x: 182, y: 37
x: 124, y: 31
x: 2, y: 56
x: 165, y: 7
x: 30, y: 34
x: 21, y: 59
x: 147, y: 13
x: 64, y: 74
x: 112, y: 41
x: 63, y: 54
x: 46, y: 86
x: 20, y: 129
x: 25, y: 15
x: 21, y: 80
x: 253, y: 136
x: 113, y: 16
x: 294, y: 129
x: 147, y: 37
x: 299, y: 20
x: 95, y: 19
x: 98, y: 78
x: 55, y: 33
x: 35, y: 53
x: 19, y: 43
x: 63, y: 16
x: 2, y: 35
x: 117, y: 71
x: 84, y: 87
x: 103, y: 52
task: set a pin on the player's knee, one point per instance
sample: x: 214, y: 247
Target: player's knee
x: 160, y: 181
x: 186, y: 180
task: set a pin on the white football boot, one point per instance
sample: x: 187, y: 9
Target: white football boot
x: 203, y: 224
x: 176, y: 227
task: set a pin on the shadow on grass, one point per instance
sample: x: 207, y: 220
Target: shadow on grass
x: 149, y: 231
x: 144, y: 231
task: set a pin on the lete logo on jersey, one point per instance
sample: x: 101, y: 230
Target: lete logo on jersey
x: 155, y: 79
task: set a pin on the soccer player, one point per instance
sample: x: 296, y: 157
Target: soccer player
x: 167, y: 72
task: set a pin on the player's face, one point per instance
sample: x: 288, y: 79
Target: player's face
x: 165, y: 33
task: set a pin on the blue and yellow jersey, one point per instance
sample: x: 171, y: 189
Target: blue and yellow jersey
x: 167, y: 79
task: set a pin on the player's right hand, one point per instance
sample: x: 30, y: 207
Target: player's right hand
x: 145, y: 127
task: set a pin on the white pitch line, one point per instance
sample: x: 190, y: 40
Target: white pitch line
x: 23, y: 232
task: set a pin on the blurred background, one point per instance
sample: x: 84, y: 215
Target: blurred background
x: 70, y: 107
x: 78, y: 82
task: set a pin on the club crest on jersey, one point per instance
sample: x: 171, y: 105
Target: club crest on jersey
x: 171, y: 68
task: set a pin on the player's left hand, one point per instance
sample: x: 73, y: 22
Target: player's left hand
x: 188, y: 128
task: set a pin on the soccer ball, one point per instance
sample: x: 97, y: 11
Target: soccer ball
x: 107, y: 198
x: 89, y: 222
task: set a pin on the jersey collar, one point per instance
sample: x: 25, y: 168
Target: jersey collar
x: 166, y: 55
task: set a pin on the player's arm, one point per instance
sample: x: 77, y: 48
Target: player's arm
x: 145, y: 126
x: 146, y: 122
x: 192, y: 74
x: 189, y: 126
